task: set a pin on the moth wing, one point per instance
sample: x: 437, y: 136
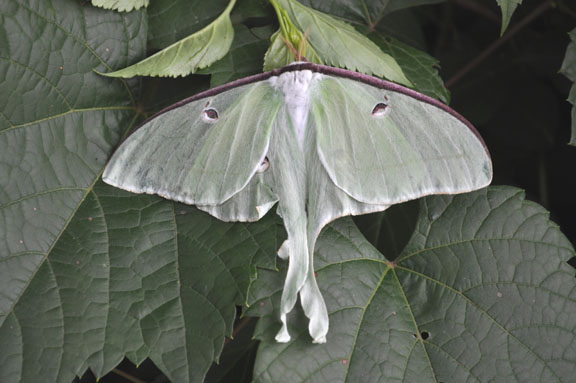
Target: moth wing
x: 202, y: 152
x: 384, y: 147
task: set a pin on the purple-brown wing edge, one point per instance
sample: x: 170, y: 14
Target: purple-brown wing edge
x: 332, y: 71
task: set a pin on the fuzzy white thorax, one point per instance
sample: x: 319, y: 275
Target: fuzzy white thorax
x: 296, y: 87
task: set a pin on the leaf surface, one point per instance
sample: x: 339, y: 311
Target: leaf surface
x: 482, y: 292
x: 186, y: 56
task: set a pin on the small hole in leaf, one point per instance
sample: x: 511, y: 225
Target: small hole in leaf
x: 264, y: 165
x: 424, y: 335
x: 380, y: 110
x: 210, y: 115
x: 499, y: 294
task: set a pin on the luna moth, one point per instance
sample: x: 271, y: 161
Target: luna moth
x: 318, y: 142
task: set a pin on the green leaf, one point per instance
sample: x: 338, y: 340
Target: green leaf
x: 90, y: 274
x: 569, y: 70
x: 418, y: 66
x: 121, y: 5
x: 186, y: 56
x: 339, y: 44
x: 507, y: 7
x: 482, y: 292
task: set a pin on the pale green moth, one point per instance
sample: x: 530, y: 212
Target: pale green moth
x: 318, y: 142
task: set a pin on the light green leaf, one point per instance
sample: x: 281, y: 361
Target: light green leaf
x: 121, y: 5
x: 339, y: 44
x: 569, y: 70
x: 186, y: 56
x: 482, y: 292
x: 507, y: 7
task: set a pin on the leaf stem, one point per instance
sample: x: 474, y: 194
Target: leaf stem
x: 480, y: 9
x: 126, y: 375
x: 496, y: 44
x: 238, y: 328
x: 566, y: 9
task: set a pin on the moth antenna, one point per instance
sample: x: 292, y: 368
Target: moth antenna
x: 302, y: 46
x: 290, y: 46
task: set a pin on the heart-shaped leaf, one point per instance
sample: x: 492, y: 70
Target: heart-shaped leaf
x: 481, y: 293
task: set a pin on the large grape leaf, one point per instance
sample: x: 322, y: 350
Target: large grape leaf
x: 482, y: 292
x: 569, y: 70
x: 89, y: 273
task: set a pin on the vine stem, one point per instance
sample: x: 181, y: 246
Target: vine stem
x: 238, y: 328
x: 496, y: 44
x: 126, y: 375
x: 480, y: 9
